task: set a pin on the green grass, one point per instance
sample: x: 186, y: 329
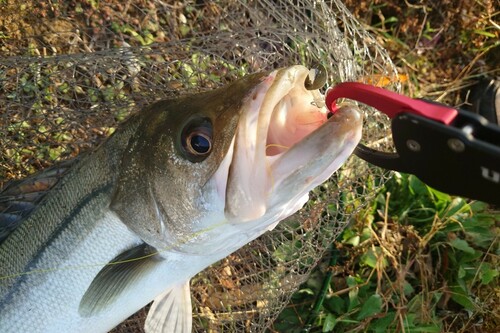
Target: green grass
x: 416, y: 260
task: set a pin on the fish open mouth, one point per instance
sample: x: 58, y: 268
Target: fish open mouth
x: 297, y: 113
x: 285, y: 144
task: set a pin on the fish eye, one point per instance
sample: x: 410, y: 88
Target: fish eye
x: 196, y: 139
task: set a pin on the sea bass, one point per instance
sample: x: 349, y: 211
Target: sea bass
x: 179, y: 186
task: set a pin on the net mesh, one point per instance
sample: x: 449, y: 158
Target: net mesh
x: 70, y: 72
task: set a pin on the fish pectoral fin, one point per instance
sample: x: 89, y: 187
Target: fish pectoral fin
x: 171, y: 311
x: 116, y: 277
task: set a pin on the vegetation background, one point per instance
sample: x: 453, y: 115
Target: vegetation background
x: 415, y: 260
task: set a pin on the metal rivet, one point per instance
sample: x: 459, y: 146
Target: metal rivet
x: 456, y: 145
x: 413, y: 145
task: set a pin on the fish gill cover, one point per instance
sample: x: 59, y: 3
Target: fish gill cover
x: 72, y: 71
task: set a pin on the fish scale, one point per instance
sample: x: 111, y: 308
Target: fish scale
x: 77, y: 244
x: 106, y: 238
x: 91, y: 173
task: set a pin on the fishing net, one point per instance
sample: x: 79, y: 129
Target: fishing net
x: 71, y: 71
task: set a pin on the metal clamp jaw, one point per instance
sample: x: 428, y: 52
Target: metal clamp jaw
x: 453, y: 150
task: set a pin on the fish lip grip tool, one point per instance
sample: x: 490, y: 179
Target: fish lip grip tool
x: 452, y: 150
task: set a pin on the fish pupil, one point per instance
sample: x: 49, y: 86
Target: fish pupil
x: 200, y: 144
x: 196, y: 139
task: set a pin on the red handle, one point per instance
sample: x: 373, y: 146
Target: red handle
x: 388, y: 102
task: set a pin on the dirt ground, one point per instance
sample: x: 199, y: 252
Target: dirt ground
x: 442, y: 46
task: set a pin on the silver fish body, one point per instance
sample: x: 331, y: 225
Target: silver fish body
x: 180, y: 186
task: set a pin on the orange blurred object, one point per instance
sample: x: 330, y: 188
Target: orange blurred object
x: 382, y: 81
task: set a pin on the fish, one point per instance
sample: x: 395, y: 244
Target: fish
x: 177, y: 187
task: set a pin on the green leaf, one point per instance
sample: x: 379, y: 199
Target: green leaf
x: 442, y: 199
x: 436, y: 296
x: 288, y: 321
x: 460, y: 296
x: 461, y: 245
x: 457, y: 206
x: 354, y: 241
x: 371, y: 257
x: 335, y: 304
x: 417, y: 187
x: 466, y: 257
x: 485, y: 33
x: 353, y: 298
x: 461, y: 272
x: 411, y: 325
x: 478, y: 206
x: 329, y: 323
x: 373, y: 305
x: 54, y: 153
x: 487, y: 274
x: 351, y: 281
x: 347, y: 234
x: 408, y: 289
x: 366, y: 234
x: 409, y: 321
x: 380, y: 325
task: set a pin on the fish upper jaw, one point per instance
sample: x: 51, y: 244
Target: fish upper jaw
x: 284, y: 146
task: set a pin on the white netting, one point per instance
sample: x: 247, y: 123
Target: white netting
x: 70, y: 74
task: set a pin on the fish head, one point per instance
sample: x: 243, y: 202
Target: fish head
x: 217, y: 169
x: 176, y: 147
